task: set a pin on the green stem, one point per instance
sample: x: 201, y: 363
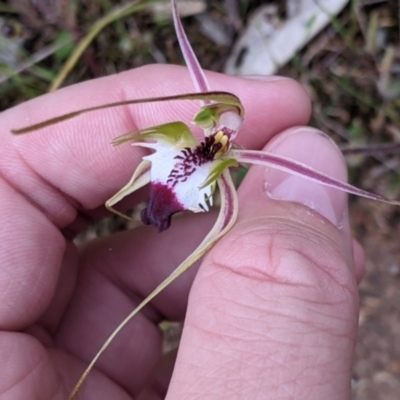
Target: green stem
x: 115, y: 14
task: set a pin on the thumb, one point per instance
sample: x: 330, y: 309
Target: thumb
x: 274, y: 308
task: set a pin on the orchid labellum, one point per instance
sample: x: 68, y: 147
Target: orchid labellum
x: 183, y: 172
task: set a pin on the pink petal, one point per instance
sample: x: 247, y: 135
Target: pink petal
x: 296, y: 168
x: 195, y: 70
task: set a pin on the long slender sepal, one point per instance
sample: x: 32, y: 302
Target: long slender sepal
x: 226, y: 219
x: 296, y: 168
x: 196, y: 73
x: 220, y: 97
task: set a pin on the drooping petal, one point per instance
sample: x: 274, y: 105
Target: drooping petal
x: 296, y: 168
x: 226, y: 219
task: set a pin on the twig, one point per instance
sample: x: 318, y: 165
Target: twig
x: 37, y: 57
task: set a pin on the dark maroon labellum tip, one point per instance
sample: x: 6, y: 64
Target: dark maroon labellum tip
x: 161, y: 206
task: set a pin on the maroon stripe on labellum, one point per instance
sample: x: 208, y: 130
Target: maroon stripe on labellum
x: 189, y: 159
x: 162, y: 204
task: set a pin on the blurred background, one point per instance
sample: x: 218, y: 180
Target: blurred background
x: 345, y: 53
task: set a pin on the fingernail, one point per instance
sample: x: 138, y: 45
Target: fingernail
x: 319, y: 152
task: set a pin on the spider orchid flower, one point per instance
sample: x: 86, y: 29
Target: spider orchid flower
x: 183, y: 172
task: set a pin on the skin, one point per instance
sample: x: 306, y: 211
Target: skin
x: 273, y: 309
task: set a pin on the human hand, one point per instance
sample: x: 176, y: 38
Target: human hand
x: 273, y: 310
